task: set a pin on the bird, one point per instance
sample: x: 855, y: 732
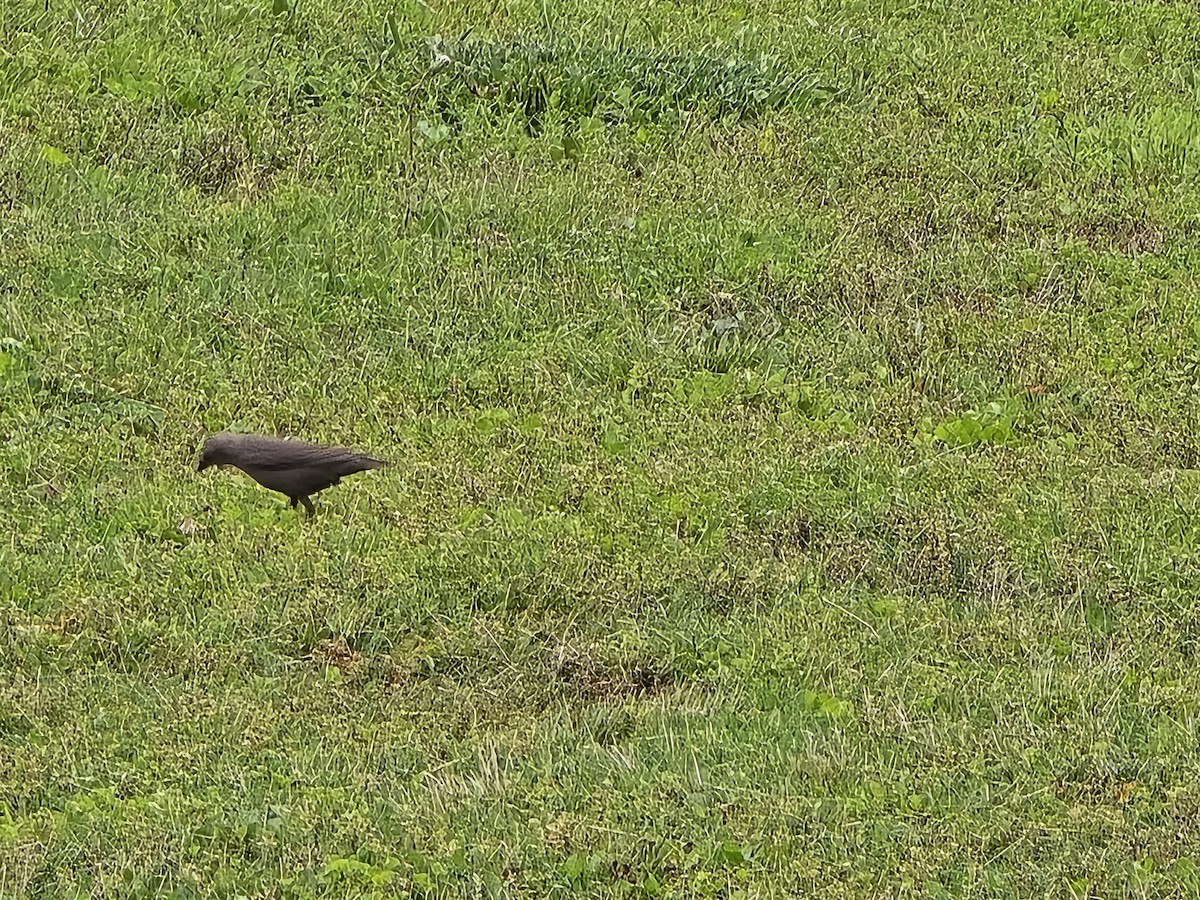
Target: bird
x: 294, y: 468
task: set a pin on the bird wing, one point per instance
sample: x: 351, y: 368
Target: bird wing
x: 282, y: 455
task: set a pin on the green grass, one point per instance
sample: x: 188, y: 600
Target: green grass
x: 795, y: 417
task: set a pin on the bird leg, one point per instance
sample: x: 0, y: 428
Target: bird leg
x: 308, y: 506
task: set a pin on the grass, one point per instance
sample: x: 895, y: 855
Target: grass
x: 793, y: 409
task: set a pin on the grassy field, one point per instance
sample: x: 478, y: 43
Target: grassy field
x: 794, y: 410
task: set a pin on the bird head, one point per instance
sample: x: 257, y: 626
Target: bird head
x: 216, y: 451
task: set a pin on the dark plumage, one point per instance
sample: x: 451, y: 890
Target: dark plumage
x: 293, y: 468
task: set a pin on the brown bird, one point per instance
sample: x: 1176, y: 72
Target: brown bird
x: 293, y: 468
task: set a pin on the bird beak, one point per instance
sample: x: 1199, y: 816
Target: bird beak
x: 204, y: 464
